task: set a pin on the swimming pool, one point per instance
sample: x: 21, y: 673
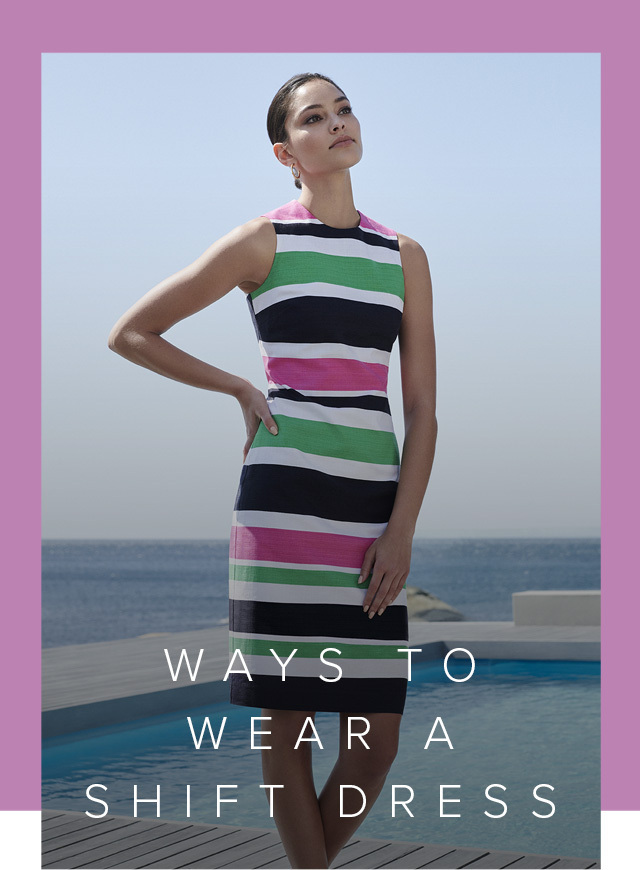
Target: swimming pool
x: 517, y: 724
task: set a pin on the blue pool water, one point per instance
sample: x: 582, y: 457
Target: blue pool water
x: 514, y: 723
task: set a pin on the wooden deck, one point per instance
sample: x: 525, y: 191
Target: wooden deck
x: 74, y: 840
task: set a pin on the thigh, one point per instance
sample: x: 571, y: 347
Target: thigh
x: 286, y: 726
x: 382, y: 736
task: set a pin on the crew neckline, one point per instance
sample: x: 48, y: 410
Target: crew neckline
x: 357, y: 226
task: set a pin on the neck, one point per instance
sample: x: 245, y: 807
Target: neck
x: 330, y: 199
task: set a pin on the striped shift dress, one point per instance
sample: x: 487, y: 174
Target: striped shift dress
x: 312, y: 498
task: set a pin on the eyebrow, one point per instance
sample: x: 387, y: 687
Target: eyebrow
x: 319, y: 105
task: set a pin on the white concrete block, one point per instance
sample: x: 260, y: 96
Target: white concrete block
x: 575, y: 607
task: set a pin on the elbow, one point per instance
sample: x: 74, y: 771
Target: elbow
x: 115, y: 341
x: 122, y: 338
x: 424, y: 411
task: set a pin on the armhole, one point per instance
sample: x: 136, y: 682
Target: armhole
x: 273, y: 263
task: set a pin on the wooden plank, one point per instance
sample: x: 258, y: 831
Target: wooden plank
x: 572, y: 864
x: 154, y: 856
x: 496, y: 860
x: 427, y: 852
x: 74, y: 840
x: 535, y: 862
x: 246, y: 853
x: 392, y: 851
x: 176, y: 839
x: 49, y: 825
x: 274, y: 856
x: 108, y: 855
x: 107, y: 844
x: 80, y: 834
x: 200, y: 856
x: 51, y: 814
x: 353, y: 854
x: 456, y: 859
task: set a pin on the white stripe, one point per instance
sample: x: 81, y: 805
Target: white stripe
x: 373, y: 232
x: 306, y: 523
x: 300, y: 666
x: 316, y: 638
x: 338, y: 247
x: 298, y: 566
x: 298, y: 593
x: 358, y: 418
x: 323, y: 350
x: 320, y: 288
x: 351, y: 468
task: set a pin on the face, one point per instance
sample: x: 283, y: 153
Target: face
x: 319, y: 118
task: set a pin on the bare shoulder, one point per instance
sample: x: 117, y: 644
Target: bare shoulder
x: 254, y: 245
x: 410, y: 250
x: 415, y: 265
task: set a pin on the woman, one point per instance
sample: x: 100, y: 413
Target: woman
x: 325, y: 511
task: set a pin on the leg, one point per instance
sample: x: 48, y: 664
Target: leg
x: 366, y: 768
x: 295, y: 807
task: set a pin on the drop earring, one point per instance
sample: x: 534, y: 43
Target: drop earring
x: 295, y: 171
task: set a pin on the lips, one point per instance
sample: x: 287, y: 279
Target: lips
x: 341, y: 140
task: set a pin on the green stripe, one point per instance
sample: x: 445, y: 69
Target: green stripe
x: 295, y: 576
x: 313, y: 649
x: 306, y: 267
x: 330, y: 439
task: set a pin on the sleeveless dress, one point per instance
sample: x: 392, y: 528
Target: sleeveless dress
x: 312, y: 498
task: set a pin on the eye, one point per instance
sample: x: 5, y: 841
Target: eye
x: 311, y: 118
x: 346, y: 109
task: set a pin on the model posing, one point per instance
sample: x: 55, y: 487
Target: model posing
x: 326, y: 509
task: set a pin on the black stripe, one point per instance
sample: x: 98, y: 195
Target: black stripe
x: 369, y: 403
x: 348, y: 695
x: 313, y: 319
x: 324, y: 232
x: 294, y: 490
x: 310, y: 618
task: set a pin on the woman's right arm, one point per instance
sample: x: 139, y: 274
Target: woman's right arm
x: 241, y: 258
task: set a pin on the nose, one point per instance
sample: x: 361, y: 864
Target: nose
x: 337, y: 123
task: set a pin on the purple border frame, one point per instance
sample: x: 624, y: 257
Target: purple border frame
x: 33, y: 28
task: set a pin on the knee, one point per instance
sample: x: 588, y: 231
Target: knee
x: 373, y: 763
x: 385, y: 755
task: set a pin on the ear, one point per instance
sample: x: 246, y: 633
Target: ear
x: 284, y: 156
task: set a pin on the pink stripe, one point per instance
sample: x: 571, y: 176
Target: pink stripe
x: 307, y: 548
x: 326, y: 374
x: 369, y: 224
x: 290, y: 211
x: 294, y: 211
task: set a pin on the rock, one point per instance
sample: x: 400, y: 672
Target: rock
x: 423, y: 605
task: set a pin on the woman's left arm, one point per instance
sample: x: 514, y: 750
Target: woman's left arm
x: 389, y: 556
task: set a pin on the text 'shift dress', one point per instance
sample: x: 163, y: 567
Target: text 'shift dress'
x: 312, y: 498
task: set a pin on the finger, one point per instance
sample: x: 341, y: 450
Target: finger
x: 270, y: 423
x: 367, y: 564
x: 372, y: 591
x: 391, y: 595
x: 379, y: 597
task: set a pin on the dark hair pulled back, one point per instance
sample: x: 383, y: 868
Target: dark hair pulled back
x: 281, y: 103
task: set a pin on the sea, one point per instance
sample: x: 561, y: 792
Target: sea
x: 100, y: 590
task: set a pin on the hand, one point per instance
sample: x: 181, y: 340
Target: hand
x: 255, y: 409
x: 390, y: 557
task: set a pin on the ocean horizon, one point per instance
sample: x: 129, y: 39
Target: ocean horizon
x: 109, y: 589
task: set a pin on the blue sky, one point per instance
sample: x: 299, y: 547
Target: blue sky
x: 490, y: 161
